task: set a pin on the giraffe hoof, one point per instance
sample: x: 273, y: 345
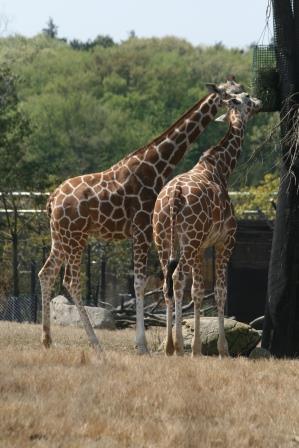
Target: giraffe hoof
x: 142, y: 350
x: 224, y: 355
x: 169, y: 352
x: 169, y: 349
x: 97, y: 348
x: 196, y: 354
x: 179, y: 348
x: 46, y: 341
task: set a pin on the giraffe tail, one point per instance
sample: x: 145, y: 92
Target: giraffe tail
x: 174, y: 203
x: 49, y: 205
x: 171, y: 265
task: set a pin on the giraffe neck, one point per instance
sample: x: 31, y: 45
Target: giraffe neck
x: 223, y: 157
x: 165, y: 151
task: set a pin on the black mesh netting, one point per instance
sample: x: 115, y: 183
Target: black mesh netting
x: 265, y: 80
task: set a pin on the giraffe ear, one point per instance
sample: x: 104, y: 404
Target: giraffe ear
x: 212, y: 88
x: 221, y: 118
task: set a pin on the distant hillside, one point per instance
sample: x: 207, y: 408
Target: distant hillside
x: 91, y: 104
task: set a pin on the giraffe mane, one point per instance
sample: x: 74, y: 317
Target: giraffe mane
x: 161, y: 137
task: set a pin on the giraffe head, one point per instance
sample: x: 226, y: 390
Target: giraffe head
x: 226, y: 89
x: 242, y: 103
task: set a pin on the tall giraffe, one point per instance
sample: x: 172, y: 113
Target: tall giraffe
x: 118, y: 204
x: 193, y: 211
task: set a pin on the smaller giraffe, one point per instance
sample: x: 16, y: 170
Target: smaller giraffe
x: 193, y: 212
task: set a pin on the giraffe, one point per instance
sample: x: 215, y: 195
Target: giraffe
x: 192, y: 212
x: 118, y: 204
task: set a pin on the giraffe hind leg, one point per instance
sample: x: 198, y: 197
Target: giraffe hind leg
x: 72, y: 283
x: 141, y: 244
x: 47, y: 277
x: 179, y: 279
x: 169, y: 345
x: 197, y: 293
x: 222, y: 257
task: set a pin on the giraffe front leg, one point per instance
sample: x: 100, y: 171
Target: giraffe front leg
x: 197, y: 293
x: 140, y: 251
x: 141, y: 344
x: 222, y: 257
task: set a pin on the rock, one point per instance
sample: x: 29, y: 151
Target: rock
x: 241, y: 337
x: 64, y: 313
x: 259, y: 353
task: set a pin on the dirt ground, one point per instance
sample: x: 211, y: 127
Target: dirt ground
x: 67, y: 397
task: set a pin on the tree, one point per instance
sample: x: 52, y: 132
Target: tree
x: 90, y: 108
x: 104, y: 41
x: 101, y: 41
x: 51, y: 29
x: 281, y: 330
x: 261, y: 198
x: 14, y: 130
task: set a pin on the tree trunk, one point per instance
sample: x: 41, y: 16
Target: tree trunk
x: 281, y: 330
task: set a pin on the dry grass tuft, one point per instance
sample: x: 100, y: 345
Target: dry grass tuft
x: 67, y: 397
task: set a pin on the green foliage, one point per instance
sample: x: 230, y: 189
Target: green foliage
x: 51, y: 30
x: 260, y: 198
x: 90, y: 108
x: 14, y: 129
x: 266, y: 77
x: 100, y: 40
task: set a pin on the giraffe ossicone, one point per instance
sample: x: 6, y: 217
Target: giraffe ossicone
x: 118, y: 204
x: 193, y: 212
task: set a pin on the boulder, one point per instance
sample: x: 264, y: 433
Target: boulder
x: 241, y: 337
x: 64, y: 313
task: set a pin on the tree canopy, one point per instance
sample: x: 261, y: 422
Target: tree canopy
x: 91, y: 103
x: 14, y: 130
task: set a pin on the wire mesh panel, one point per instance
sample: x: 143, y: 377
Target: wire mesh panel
x: 265, y: 80
x: 20, y: 309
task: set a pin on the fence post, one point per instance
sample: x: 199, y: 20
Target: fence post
x: 33, y: 292
x: 103, y: 279
x: 15, y: 263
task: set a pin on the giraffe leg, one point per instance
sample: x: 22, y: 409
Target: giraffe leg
x: 197, y: 293
x: 169, y: 346
x: 223, y: 253
x: 139, y: 285
x: 140, y: 251
x: 164, y: 253
x: 179, y: 279
x: 73, y: 285
x: 47, y: 277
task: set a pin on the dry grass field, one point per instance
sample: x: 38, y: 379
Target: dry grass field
x: 66, y: 397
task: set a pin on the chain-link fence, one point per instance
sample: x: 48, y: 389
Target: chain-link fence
x: 21, y: 309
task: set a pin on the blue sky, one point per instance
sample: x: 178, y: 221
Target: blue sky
x: 236, y: 23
